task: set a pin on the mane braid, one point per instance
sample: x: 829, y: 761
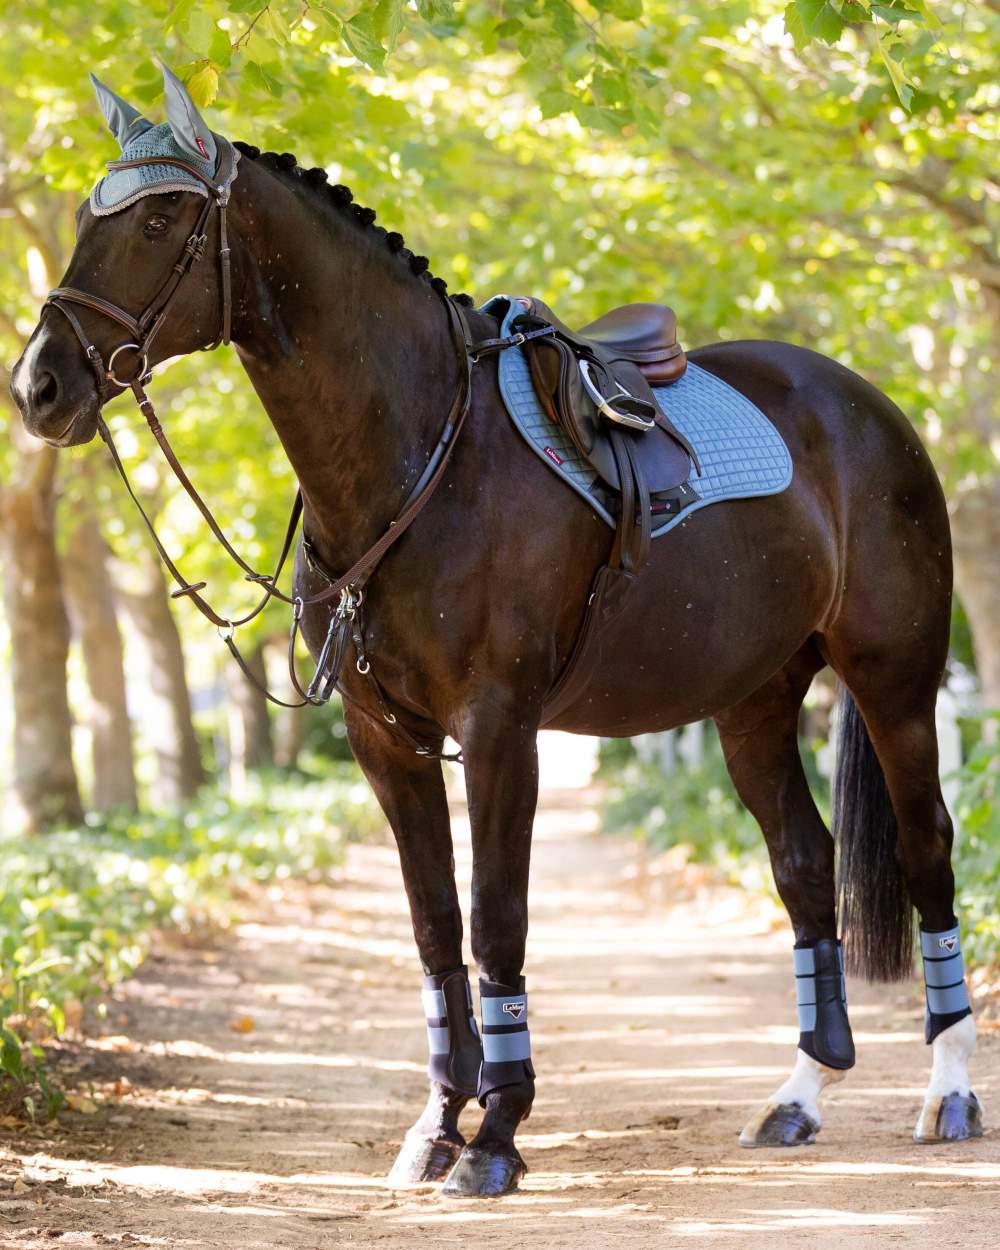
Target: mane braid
x: 343, y: 198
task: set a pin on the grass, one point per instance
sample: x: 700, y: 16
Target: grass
x: 79, y: 907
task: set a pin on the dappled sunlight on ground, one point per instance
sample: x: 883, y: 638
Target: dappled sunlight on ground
x: 253, y: 1095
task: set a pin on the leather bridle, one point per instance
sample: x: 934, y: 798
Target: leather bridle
x: 346, y: 623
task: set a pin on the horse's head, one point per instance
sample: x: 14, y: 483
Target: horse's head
x: 139, y: 235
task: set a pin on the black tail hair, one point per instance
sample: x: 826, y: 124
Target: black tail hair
x: 876, y: 914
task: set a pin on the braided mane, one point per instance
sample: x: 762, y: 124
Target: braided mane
x: 343, y: 198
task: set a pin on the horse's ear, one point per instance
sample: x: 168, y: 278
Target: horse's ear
x: 186, y: 123
x: 123, y: 120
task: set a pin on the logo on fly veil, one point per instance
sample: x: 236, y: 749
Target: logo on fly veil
x: 949, y: 944
x: 515, y: 1010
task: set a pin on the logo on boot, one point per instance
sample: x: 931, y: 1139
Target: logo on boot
x: 950, y: 944
x: 514, y: 1010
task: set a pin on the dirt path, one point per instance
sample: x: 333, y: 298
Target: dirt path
x: 656, y: 1028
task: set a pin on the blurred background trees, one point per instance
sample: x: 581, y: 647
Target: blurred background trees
x: 821, y: 171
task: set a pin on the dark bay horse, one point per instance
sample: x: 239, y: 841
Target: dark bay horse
x: 471, y: 616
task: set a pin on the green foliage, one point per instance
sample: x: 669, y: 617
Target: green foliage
x: 78, y: 908
x: 696, y: 808
x: 976, y: 857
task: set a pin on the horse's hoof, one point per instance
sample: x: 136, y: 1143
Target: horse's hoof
x: 484, y: 1174
x: 787, y: 1124
x: 955, y: 1117
x: 424, y: 1160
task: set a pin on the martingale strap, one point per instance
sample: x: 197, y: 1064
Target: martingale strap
x: 944, y: 980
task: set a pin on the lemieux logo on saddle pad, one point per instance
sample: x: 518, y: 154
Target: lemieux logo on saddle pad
x: 514, y: 1010
x: 950, y: 944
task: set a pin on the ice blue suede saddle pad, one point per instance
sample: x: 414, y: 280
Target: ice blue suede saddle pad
x: 742, y: 455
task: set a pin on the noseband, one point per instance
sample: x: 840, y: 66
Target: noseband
x: 346, y: 621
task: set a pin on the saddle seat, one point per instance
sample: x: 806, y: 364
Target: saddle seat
x: 645, y: 334
x: 629, y: 346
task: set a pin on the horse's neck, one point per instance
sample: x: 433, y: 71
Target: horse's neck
x: 350, y: 354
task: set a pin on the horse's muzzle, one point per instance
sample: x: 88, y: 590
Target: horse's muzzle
x: 55, y: 392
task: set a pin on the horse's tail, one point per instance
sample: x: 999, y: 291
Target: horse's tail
x: 876, y: 914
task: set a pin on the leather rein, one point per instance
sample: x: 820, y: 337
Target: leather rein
x: 346, y: 623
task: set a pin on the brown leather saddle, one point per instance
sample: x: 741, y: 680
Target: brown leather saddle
x: 597, y: 384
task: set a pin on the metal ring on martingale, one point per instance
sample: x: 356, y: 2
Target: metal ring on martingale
x: 367, y: 666
x: 139, y: 373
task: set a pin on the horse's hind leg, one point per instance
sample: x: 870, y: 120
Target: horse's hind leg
x: 892, y: 855
x: 412, y: 795
x: 760, y: 740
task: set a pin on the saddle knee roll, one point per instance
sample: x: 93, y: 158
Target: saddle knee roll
x: 456, y: 1052
x: 506, y: 1038
x: 944, y: 981
x: 821, y: 998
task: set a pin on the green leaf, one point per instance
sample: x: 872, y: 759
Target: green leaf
x: 894, y: 14
x: 627, y: 10
x: 10, y: 1055
x: 259, y: 77
x: 554, y: 100
x: 200, y: 29
x: 179, y: 14
x: 819, y: 20
x: 362, y: 40
x: 436, y: 10
x: 795, y: 26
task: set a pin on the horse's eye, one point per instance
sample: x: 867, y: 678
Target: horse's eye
x: 157, y: 224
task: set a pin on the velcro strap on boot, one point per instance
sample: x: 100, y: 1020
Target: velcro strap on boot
x: 944, y: 981
x: 453, y: 1043
x: 506, y: 1038
x: 821, y: 998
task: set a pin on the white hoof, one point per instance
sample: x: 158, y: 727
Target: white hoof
x: 791, y: 1116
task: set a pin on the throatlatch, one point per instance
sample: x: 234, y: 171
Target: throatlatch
x: 944, y: 981
x: 506, y: 1040
x: 456, y: 1053
x: 821, y: 995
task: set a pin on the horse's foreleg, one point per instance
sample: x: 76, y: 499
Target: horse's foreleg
x: 411, y: 792
x: 501, y: 769
x: 760, y: 741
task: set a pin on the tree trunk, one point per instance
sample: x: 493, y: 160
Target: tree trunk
x: 91, y: 601
x: 166, y: 712
x: 975, y: 525
x: 252, y: 743
x: 45, y: 786
x: 289, y: 736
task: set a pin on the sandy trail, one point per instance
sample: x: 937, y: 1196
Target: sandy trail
x: 656, y: 1029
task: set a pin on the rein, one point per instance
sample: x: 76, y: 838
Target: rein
x: 346, y: 623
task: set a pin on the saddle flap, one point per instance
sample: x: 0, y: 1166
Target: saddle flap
x: 662, y: 453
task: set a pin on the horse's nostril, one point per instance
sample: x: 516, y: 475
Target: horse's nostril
x: 45, y: 391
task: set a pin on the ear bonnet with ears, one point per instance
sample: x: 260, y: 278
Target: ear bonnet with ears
x: 183, y: 136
